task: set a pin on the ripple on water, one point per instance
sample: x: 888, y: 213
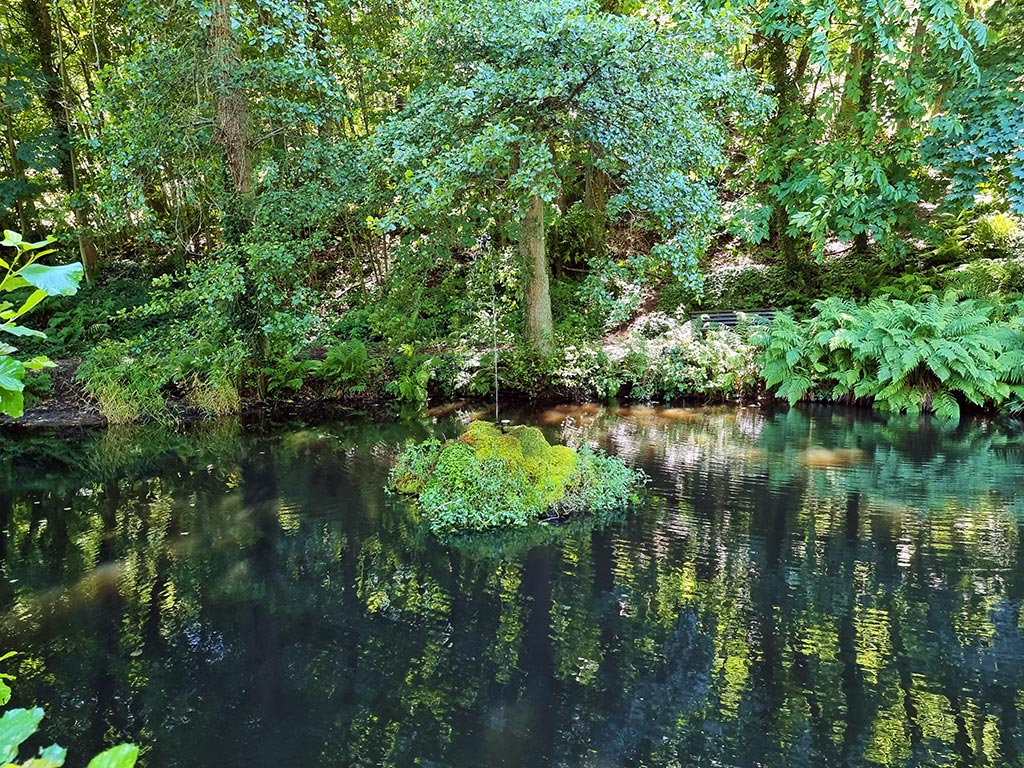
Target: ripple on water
x: 797, y: 590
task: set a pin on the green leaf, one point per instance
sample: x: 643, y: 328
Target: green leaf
x: 38, y: 363
x: 12, y: 374
x: 11, y: 239
x: 39, y: 244
x: 55, y: 281
x: 12, y: 403
x: 21, y: 330
x: 5, y: 693
x: 51, y: 757
x: 13, y: 283
x: 121, y: 756
x: 945, y: 406
x: 16, y: 726
x: 34, y: 298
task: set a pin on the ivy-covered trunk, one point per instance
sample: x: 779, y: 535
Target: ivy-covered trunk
x: 232, y: 110
x: 787, y: 95
x: 540, y: 327
x: 595, y: 200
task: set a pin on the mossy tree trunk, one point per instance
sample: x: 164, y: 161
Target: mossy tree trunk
x: 540, y: 327
x: 595, y: 200
x: 786, y: 94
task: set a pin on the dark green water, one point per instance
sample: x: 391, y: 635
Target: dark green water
x: 800, y: 590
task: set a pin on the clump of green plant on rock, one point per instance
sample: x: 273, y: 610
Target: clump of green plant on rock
x: 490, y: 478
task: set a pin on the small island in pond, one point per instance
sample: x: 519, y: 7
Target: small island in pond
x: 492, y: 478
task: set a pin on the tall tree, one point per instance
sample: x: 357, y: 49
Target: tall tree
x: 58, y: 99
x: 976, y: 137
x: 516, y: 95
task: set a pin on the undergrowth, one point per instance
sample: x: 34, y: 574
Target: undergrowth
x: 906, y: 357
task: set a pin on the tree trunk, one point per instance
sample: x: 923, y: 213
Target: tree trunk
x: 595, y: 200
x: 786, y: 93
x: 866, y: 103
x: 232, y: 110
x: 913, y: 63
x: 23, y: 202
x: 540, y: 327
x: 40, y: 29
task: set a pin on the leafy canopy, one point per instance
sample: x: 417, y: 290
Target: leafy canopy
x: 516, y: 96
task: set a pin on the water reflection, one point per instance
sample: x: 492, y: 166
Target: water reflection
x: 819, y: 589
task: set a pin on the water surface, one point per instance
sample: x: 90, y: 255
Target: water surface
x: 800, y: 589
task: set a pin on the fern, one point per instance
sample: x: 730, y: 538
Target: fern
x: 929, y: 355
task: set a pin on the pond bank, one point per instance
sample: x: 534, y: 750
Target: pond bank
x: 68, y: 405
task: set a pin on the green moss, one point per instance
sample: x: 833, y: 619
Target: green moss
x: 492, y: 478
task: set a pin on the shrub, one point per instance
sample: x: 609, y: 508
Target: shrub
x: 995, y: 279
x: 903, y: 357
x: 347, y: 366
x: 664, y: 357
x: 288, y: 374
x: 214, y: 395
x: 413, y: 373
x: 977, y: 232
x: 490, y: 479
x: 718, y: 366
x: 583, y: 371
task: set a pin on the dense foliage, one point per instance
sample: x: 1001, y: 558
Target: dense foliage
x: 495, y: 478
x: 30, y: 282
x: 392, y: 199
x: 905, y: 357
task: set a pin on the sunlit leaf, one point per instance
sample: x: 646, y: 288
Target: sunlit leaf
x: 13, y: 283
x: 121, y: 756
x: 62, y: 280
x: 51, y: 757
x: 34, y: 298
x: 16, y: 726
x: 20, y: 330
x: 12, y: 372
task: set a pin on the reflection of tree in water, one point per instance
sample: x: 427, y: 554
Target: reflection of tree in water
x: 802, y: 590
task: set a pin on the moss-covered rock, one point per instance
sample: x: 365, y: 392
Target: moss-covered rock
x: 492, y: 478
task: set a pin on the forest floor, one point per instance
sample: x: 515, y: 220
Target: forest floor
x: 66, y: 405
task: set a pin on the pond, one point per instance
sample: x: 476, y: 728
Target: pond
x: 804, y: 588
